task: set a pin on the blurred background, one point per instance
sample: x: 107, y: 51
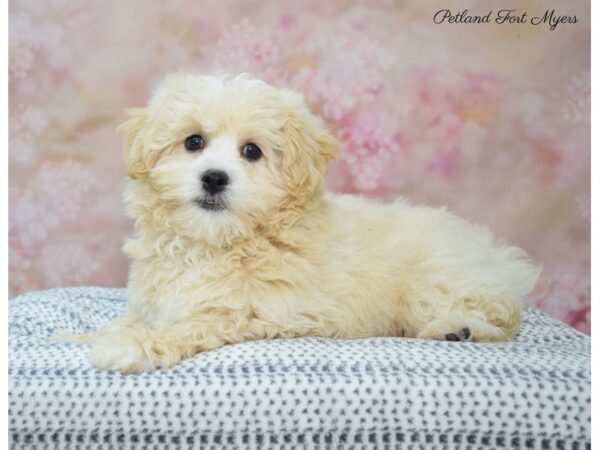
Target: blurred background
x: 491, y: 120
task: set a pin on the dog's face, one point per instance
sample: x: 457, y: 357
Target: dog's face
x: 223, y: 154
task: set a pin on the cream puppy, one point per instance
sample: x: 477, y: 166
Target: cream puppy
x: 236, y: 240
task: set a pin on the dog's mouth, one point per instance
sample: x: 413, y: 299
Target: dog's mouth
x: 210, y: 203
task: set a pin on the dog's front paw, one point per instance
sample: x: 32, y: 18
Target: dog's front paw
x: 124, y: 353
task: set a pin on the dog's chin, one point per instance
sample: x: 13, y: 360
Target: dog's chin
x: 210, y: 203
x: 210, y: 220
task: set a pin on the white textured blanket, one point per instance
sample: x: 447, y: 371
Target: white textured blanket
x: 309, y: 392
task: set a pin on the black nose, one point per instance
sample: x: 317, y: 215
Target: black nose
x: 214, y: 181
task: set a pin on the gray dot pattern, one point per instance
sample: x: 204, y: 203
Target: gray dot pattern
x: 297, y: 393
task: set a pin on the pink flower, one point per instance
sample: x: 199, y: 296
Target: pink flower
x: 351, y: 74
x: 583, y: 202
x: 36, y: 212
x: 243, y: 48
x: 449, y: 118
x: 20, y: 60
x: 66, y: 264
x: 566, y: 297
x: 367, y: 149
x: 576, y: 107
x: 33, y: 120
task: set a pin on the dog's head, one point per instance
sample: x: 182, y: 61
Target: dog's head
x: 216, y: 157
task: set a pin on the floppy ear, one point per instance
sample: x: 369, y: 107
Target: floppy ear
x: 308, y: 149
x: 139, y: 160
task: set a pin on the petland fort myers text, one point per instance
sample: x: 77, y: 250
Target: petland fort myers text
x: 550, y: 18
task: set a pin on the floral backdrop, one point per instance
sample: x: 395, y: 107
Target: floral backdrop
x: 492, y: 120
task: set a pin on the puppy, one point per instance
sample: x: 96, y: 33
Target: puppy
x: 235, y: 239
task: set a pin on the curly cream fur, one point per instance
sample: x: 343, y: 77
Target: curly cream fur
x: 284, y: 259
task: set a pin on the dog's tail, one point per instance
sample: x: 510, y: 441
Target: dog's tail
x: 69, y: 336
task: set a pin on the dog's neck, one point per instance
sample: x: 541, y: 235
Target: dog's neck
x: 279, y: 227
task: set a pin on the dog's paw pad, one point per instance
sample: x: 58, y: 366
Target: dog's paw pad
x: 463, y: 335
x: 442, y: 330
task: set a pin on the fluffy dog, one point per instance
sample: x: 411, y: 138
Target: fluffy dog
x: 235, y: 238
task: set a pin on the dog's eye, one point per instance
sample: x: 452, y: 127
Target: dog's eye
x: 194, y: 142
x: 251, y: 152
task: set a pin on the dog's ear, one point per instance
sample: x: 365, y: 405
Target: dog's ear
x: 308, y: 149
x: 139, y: 160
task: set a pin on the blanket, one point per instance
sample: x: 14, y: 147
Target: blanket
x: 308, y: 392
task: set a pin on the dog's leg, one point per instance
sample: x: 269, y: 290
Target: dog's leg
x: 134, y: 347
x: 122, y: 345
x: 475, y: 319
